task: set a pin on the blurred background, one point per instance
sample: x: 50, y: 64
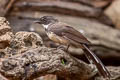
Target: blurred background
x: 98, y: 20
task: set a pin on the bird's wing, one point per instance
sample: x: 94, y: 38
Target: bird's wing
x: 64, y: 30
x: 73, y: 35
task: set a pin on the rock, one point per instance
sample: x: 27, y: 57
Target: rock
x: 22, y: 42
x: 41, y: 61
x: 5, y: 33
x: 113, y: 11
x: 14, y: 44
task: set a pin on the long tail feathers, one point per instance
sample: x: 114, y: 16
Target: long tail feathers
x: 95, y: 60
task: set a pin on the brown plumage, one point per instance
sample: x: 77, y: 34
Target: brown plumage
x: 72, y: 36
x: 65, y: 34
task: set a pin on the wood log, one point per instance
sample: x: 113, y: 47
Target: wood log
x: 76, y: 9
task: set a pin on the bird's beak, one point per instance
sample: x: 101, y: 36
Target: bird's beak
x: 37, y: 22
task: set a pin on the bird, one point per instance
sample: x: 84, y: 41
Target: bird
x: 65, y: 34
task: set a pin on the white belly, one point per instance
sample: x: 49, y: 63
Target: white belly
x: 57, y: 39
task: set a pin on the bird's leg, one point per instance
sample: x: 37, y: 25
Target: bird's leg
x: 63, y: 47
x: 67, y: 47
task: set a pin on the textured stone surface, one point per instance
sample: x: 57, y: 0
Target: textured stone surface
x: 5, y: 33
x: 40, y: 61
x: 23, y: 41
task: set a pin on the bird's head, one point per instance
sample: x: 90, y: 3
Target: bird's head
x: 46, y: 20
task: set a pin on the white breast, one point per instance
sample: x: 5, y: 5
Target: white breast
x: 56, y: 38
x: 45, y: 26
